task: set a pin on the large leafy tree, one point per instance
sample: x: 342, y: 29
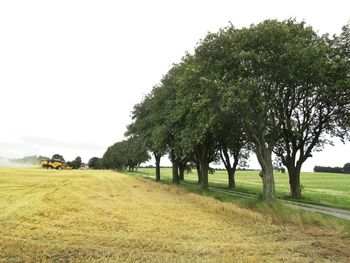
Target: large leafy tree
x: 136, y: 153
x: 276, y: 86
x: 289, y: 88
x: 76, y: 162
x: 346, y: 168
x: 173, y: 115
x: 215, y: 55
x: 58, y: 157
x: 309, y: 103
x: 198, y: 102
x: 233, y: 63
x: 293, y: 89
x: 95, y: 163
x: 149, y: 124
x: 116, y: 156
x: 92, y: 162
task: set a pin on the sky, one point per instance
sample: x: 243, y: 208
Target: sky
x: 71, y: 71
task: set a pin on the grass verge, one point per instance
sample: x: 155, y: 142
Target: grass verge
x: 278, y: 212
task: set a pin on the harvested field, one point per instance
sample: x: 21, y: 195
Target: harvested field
x: 104, y: 216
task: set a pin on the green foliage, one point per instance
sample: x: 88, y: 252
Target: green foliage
x: 115, y: 156
x: 127, y: 154
x: 76, y: 163
x: 346, y: 168
x: 147, y: 123
x: 323, y: 169
x: 58, y: 157
x: 273, y: 87
x: 95, y: 163
x: 99, y: 164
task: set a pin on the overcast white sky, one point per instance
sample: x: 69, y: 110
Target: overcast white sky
x: 71, y: 71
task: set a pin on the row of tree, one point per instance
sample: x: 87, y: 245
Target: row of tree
x: 125, y: 155
x: 273, y: 88
x: 322, y: 169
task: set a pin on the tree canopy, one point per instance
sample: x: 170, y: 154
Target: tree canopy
x: 272, y: 88
x: 127, y: 154
x: 58, y: 157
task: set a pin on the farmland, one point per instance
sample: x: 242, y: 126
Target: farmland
x: 104, y: 216
x: 319, y: 188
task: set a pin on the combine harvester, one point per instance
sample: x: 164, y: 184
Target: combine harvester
x: 54, y: 164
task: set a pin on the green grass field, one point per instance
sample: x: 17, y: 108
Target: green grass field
x: 326, y: 189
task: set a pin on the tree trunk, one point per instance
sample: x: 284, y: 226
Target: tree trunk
x: 294, y: 181
x: 233, y: 170
x: 225, y: 157
x: 231, y: 178
x: 198, y: 168
x: 269, y: 192
x: 199, y: 173
x: 175, y: 172
x: 204, y: 167
x: 182, y: 167
x: 264, y: 156
x: 157, y: 157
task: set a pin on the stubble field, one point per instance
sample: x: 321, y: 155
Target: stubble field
x: 104, y: 216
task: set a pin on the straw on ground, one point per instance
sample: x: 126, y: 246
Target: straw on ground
x: 88, y: 216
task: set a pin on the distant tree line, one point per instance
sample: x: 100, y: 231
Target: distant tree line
x: 94, y: 162
x: 272, y: 88
x: 322, y: 169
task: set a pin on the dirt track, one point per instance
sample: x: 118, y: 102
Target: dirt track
x: 62, y: 216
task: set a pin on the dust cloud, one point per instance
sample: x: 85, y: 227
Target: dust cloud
x: 13, y: 163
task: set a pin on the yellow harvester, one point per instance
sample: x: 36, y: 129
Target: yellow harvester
x: 52, y: 164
